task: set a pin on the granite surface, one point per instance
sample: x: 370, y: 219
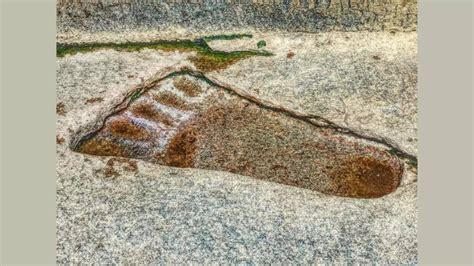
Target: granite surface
x: 117, y: 210
x: 365, y: 81
x: 184, y: 121
x: 347, y: 68
x: 185, y: 17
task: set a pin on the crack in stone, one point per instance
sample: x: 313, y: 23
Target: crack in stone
x: 308, y: 118
x: 321, y: 121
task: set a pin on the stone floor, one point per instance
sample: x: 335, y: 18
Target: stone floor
x: 124, y: 210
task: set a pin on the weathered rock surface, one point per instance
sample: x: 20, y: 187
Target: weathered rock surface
x: 364, y: 81
x: 205, y: 17
x: 118, y: 210
x: 183, y: 121
x: 163, y: 215
x: 356, y: 85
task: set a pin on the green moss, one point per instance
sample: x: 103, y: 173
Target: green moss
x: 135, y: 95
x: 226, y: 37
x: 62, y: 50
x: 217, y: 60
x: 261, y: 44
x: 206, y: 58
x: 412, y: 161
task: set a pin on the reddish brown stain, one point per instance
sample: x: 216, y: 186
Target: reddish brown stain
x: 110, y: 170
x: 181, y: 150
x: 127, y: 165
x: 187, y: 86
x: 60, y: 109
x: 148, y: 111
x: 170, y: 100
x: 59, y: 140
x: 365, y: 177
x: 102, y: 147
x: 94, y: 100
x: 243, y: 138
x: 248, y: 142
x: 126, y: 129
x: 131, y: 165
x: 290, y: 55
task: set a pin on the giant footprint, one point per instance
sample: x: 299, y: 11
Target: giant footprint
x: 184, y: 121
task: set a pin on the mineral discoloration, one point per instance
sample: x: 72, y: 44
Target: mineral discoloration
x: 102, y: 147
x: 150, y: 112
x: 366, y: 177
x: 94, y: 100
x: 181, y: 151
x: 60, y: 109
x: 228, y: 133
x: 125, y: 128
x: 272, y: 147
x: 171, y: 100
x: 59, y: 140
x: 127, y: 165
x: 187, y: 86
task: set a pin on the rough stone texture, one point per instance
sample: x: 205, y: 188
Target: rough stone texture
x: 365, y: 81
x: 182, y: 121
x: 371, y: 89
x: 361, y: 77
x: 124, y: 211
x: 214, y: 16
x: 164, y: 215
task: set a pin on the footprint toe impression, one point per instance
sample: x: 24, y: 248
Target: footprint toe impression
x: 185, y: 122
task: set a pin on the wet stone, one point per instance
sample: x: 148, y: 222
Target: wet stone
x: 215, y: 130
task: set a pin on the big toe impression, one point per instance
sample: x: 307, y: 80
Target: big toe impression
x: 183, y: 121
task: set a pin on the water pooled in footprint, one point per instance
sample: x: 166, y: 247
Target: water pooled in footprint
x: 185, y: 122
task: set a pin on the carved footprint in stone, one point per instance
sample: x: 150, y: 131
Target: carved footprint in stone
x: 183, y: 121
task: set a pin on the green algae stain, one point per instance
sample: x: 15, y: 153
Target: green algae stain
x: 411, y: 161
x: 261, y: 44
x: 135, y: 95
x: 183, y: 45
x: 206, y: 58
x: 220, y: 60
x: 226, y: 37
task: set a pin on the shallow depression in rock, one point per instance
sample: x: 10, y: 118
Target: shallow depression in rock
x: 183, y: 121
